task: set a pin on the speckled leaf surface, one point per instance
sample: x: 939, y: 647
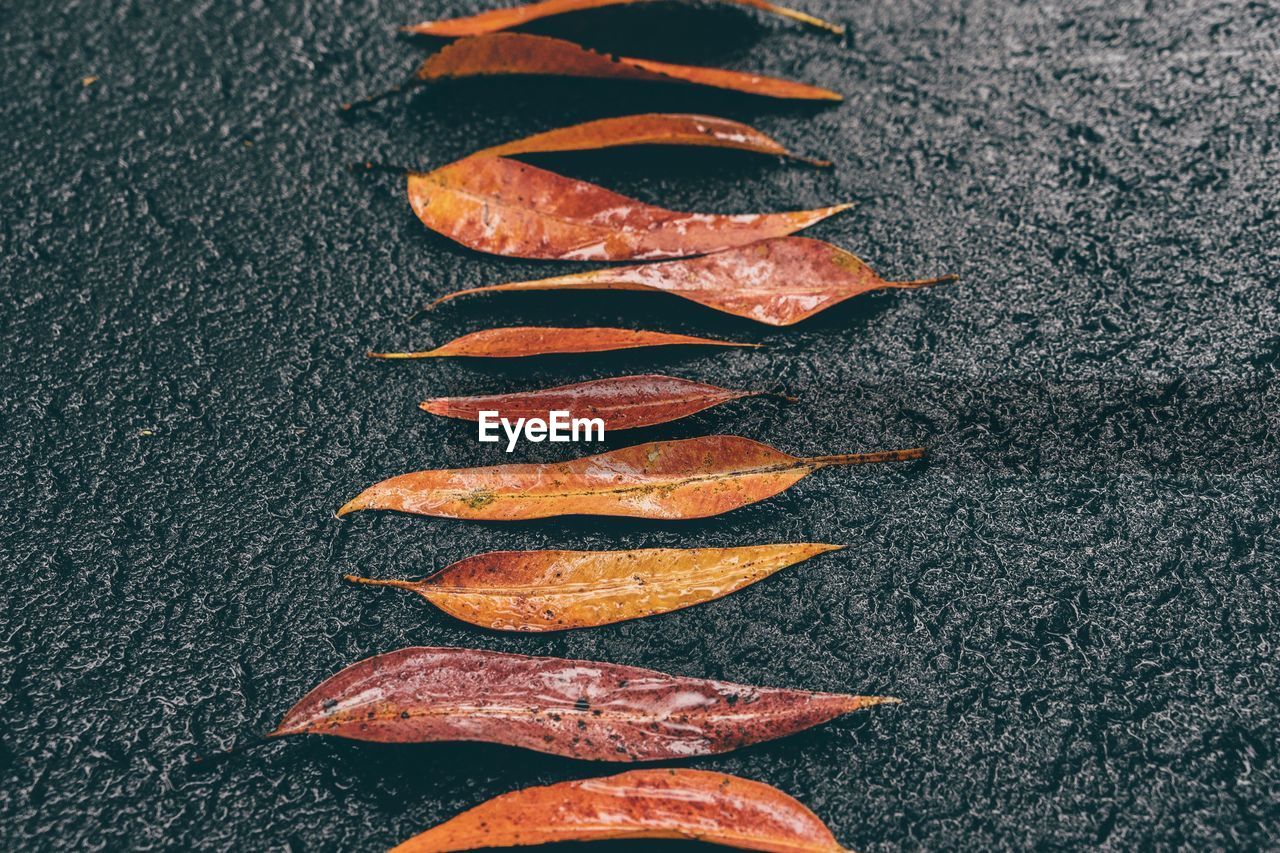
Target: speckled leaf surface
x: 523, y: 341
x: 588, y: 710
x: 690, y: 804
x: 1077, y: 594
x: 777, y: 282
x: 699, y: 131
x: 664, y: 480
x: 506, y: 17
x: 505, y: 207
x: 620, y: 402
x: 559, y: 590
x: 504, y: 54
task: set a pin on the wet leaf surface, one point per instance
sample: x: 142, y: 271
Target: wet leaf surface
x: 520, y: 341
x: 778, y: 282
x: 650, y: 129
x: 495, y: 20
x: 624, y: 402
x: 505, y: 207
x: 670, y: 803
x: 579, y: 709
x: 521, y: 53
x: 558, y: 590
x: 690, y: 478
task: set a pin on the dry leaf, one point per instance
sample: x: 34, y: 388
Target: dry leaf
x: 518, y: 341
x: 650, y: 129
x: 778, y: 282
x: 504, y: 207
x: 520, y: 53
x: 691, y: 478
x: 558, y: 590
x: 496, y: 20
x: 626, y: 402
x: 672, y: 803
x: 580, y: 709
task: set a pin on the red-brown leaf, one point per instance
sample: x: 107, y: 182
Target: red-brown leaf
x: 778, y: 282
x: 580, y: 709
x: 690, y: 478
x: 675, y: 803
x: 626, y: 402
x: 520, y: 53
x: 497, y: 20
x: 518, y: 341
x: 505, y: 207
x: 650, y: 129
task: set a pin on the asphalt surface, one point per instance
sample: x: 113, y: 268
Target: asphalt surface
x: 1076, y: 596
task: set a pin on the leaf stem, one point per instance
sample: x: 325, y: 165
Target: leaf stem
x: 805, y: 18
x: 399, y: 584
x: 451, y: 296
x: 925, y: 282
x: 869, y: 458
x: 812, y: 161
x: 401, y: 355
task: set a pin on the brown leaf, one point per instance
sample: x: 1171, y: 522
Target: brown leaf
x: 504, y: 207
x: 626, y: 402
x: 518, y: 341
x: 672, y: 803
x: 558, y: 590
x: 504, y: 19
x: 691, y: 478
x: 520, y: 53
x: 778, y: 282
x: 650, y: 129
x: 581, y: 709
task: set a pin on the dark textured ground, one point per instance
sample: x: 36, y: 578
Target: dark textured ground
x: 1077, y: 595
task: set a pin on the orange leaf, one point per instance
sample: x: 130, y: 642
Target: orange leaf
x: 580, y: 709
x: 504, y: 19
x: 691, y: 478
x: 505, y: 207
x: 778, y: 282
x: 517, y: 341
x: 676, y: 803
x: 520, y: 53
x: 650, y: 129
x: 626, y: 402
x: 558, y: 590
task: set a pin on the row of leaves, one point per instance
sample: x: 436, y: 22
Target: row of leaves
x: 747, y: 265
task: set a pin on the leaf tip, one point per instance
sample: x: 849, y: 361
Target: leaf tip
x: 354, y: 505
